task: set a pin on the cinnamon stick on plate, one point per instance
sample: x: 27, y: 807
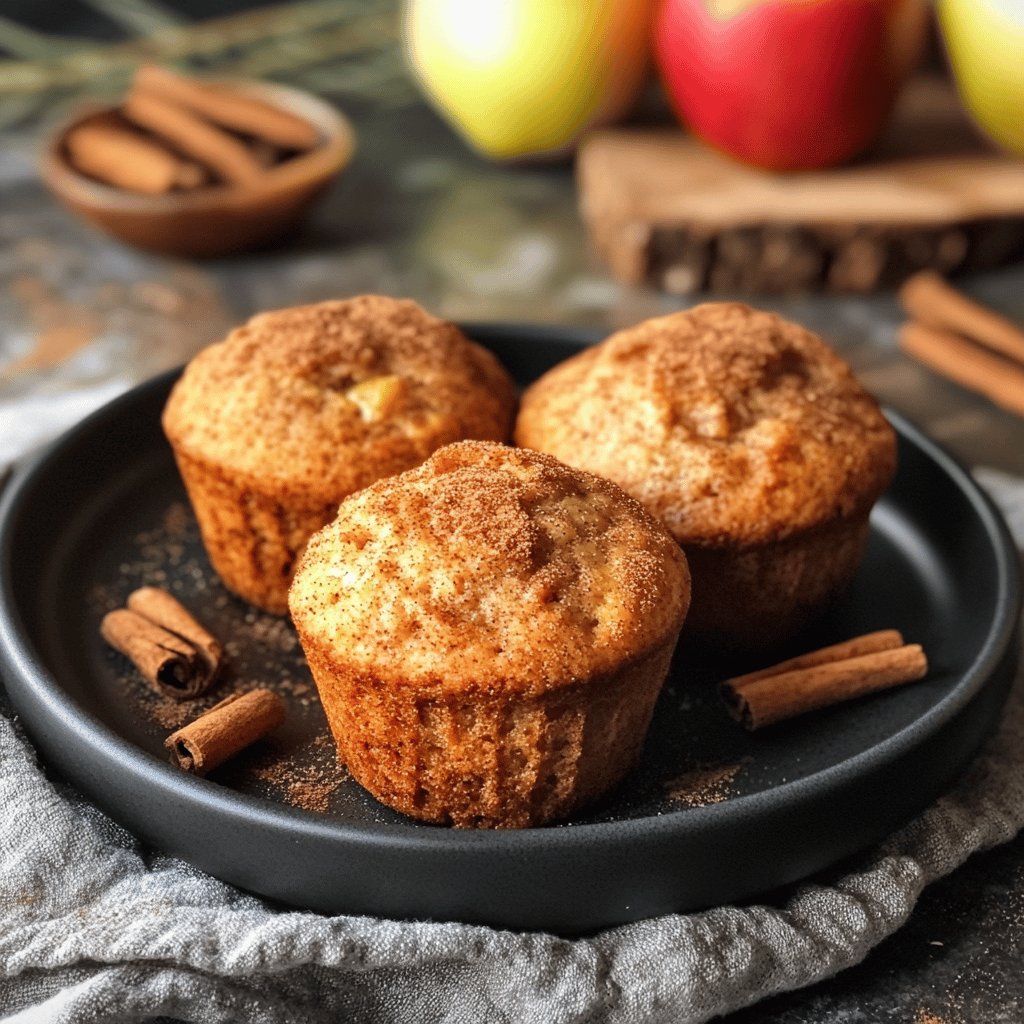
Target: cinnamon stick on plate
x: 171, y: 664
x: 164, y: 642
x: 160, y: 607
x: 827, y: 676
x: 224, y: 730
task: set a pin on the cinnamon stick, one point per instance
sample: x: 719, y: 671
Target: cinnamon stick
x: 265, y: 154
x: 167, y: 661
x: 966, y: 363
x: 161, y: 608
x: 930, y: 299
x: 121, y: 157
x: 882, y: 640
x: 199, y: 139
x: 785, y: 694
x: 224, y: 730
x: 228, y: 109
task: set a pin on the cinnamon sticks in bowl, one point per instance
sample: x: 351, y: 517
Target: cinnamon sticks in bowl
x: 194, y: 168
x: 229, y: 109
x: 210, y: 133
x: 107, y: 150
x: 963, y: 340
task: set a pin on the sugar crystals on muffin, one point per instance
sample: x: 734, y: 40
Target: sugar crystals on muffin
x: 300, y: 407
x: 489, y: 633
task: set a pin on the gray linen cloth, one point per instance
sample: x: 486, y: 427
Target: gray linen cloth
x: 94, y: 927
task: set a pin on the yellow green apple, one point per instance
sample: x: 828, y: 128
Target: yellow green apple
x: 985, y: 42
x: 523, y: 78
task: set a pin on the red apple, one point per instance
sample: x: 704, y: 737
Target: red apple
x: 787, y: 84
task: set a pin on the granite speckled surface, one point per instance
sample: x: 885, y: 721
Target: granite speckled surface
x: 417, y: 214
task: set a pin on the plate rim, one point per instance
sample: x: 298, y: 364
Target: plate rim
x: 18, y: 656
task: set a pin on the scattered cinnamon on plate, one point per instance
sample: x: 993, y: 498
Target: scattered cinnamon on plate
x: 963, y: 340
x: 840, y: 672
x: 703, y: 786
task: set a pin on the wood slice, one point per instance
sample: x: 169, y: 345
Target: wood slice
x: 663, y: 208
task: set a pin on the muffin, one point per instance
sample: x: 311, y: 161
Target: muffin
x: 748, y: 437
x: 489, y: 633
x: 300, y: 407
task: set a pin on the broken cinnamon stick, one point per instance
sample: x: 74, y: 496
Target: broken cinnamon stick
x: 167, y: 661
x: 166, y: 611
x: 782, y: 692
x: 228, y: 109
x: 120, y: 157
x: 970, y: 365
x: 199, y: 139
x: 224, y: 730
x: 932, y: 300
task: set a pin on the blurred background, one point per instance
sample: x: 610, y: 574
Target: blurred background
x: 527, y: 161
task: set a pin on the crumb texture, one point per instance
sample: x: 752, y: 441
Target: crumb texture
x: 732, y: 425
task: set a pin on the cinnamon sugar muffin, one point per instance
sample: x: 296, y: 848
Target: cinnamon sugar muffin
x: 300, y: 407
x: 748, y: 437
x: 489, y: 633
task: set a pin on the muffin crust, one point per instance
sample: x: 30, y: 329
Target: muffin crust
x: 489, y: 633
x: 732, y: 425
x: 748, y: 437
x: 327, y: 398
x: 272, y: 427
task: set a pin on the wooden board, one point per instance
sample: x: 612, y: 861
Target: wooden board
x: 663, y: 208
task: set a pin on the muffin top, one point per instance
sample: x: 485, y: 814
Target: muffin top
x: 490, y: 568
x: 733, y: 426
x: 324, y: 399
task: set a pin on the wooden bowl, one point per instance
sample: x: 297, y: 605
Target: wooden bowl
x: 218, y: 219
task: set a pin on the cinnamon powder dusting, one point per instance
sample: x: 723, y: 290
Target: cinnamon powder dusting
x: 298, y: 766
x: 700, y: 787
x: 306, y: 781
x: 924, y: 1016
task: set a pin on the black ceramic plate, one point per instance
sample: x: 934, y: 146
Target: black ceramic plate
x: 711, y: 815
